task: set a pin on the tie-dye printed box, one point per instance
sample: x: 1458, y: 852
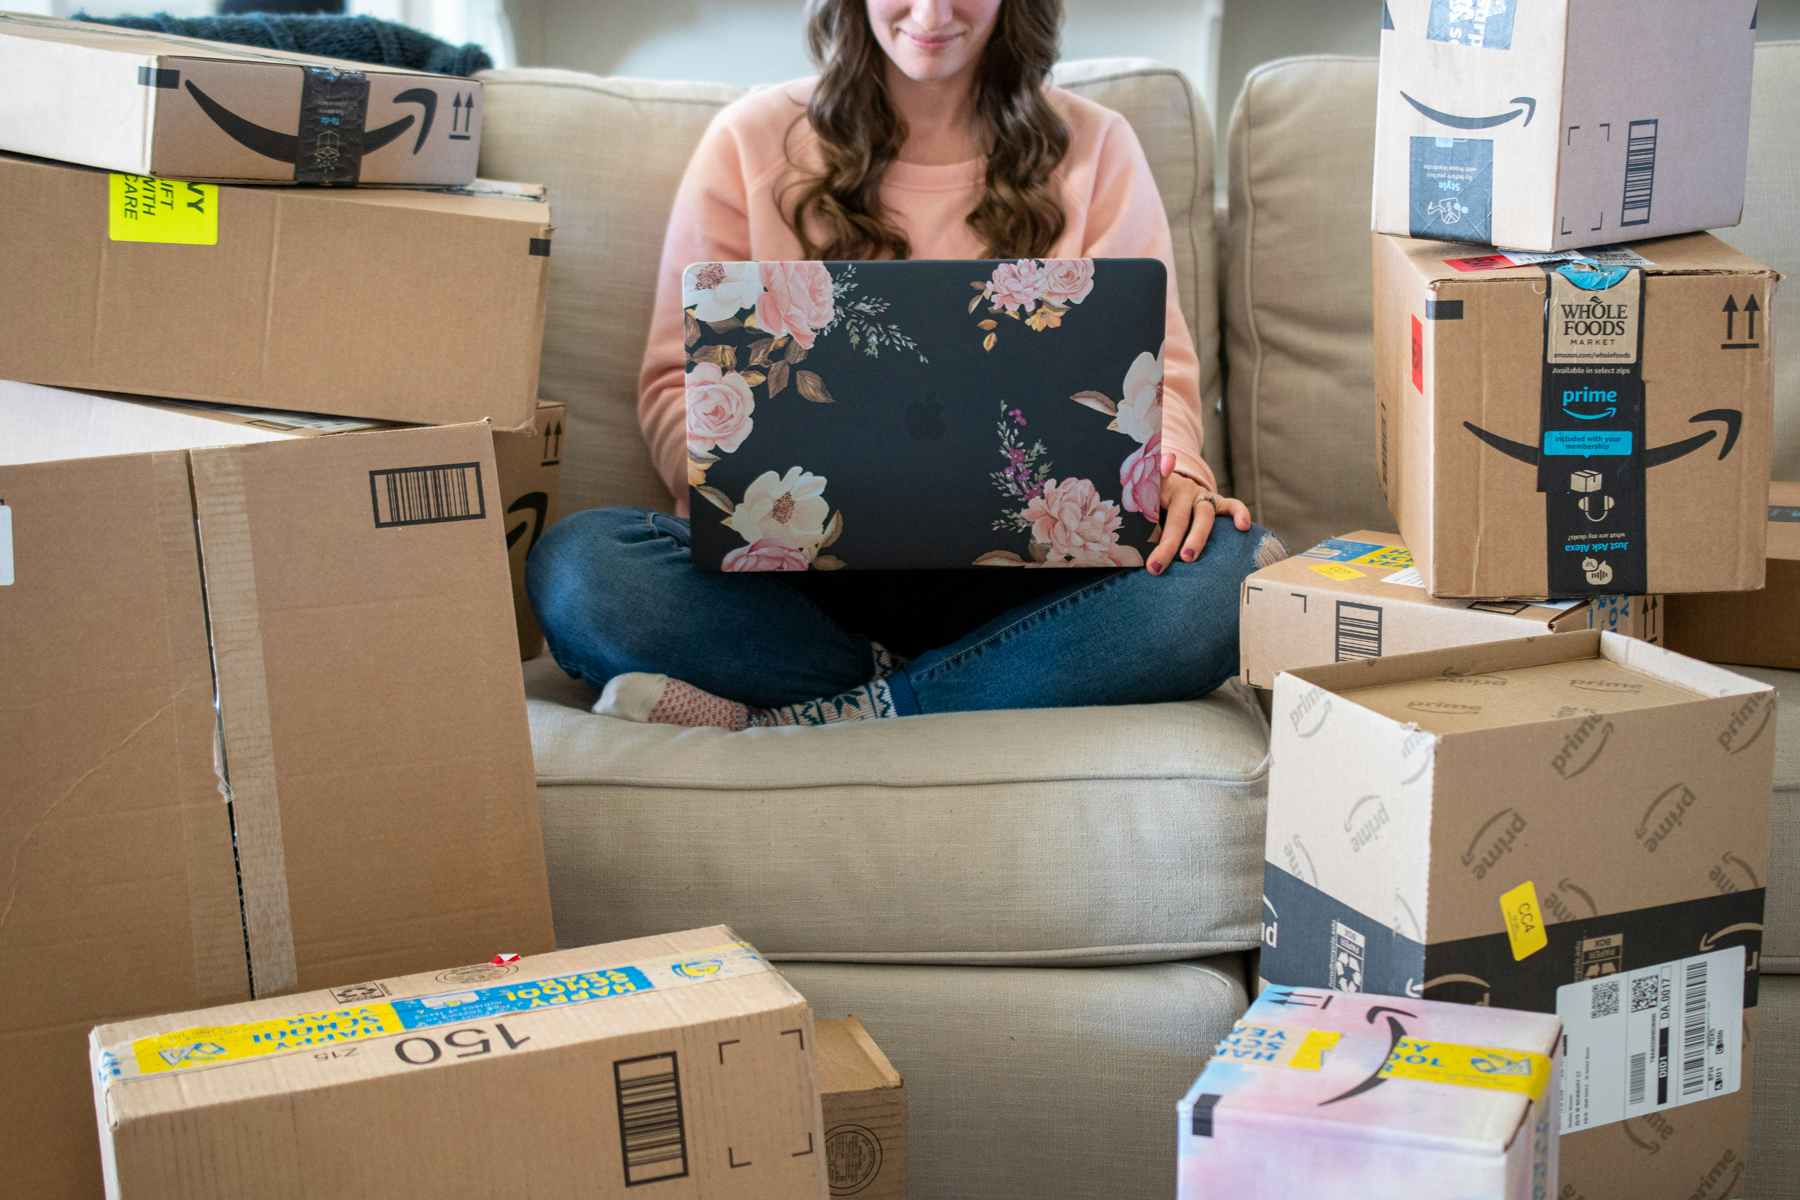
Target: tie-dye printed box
x: 1340, y: 1096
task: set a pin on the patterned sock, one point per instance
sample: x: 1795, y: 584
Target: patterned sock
x: 660, y: 700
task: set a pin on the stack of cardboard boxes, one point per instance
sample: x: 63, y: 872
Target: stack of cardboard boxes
x: 1488, y: 785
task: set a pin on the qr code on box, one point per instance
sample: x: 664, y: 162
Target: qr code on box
x: 1605, y: 999
x: 1644, y: 993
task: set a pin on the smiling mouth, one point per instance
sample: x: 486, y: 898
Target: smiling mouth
x: 930, y: 41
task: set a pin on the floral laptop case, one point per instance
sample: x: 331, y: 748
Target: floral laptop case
x: 924, y: 414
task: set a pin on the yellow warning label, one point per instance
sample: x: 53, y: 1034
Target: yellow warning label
x: 1485, y: 1067
x: 1332, y: 570
x: 1390, y: 558
x: 1524, y: 920
x: 207, y: 1045
x: 171, y: 211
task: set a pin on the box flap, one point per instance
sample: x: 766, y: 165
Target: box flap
x: 849, y: 1060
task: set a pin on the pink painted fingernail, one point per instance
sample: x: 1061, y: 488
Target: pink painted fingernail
x: 1187, y: 556
x: 1156, y: 568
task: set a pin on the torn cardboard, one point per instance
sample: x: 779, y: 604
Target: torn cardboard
x: 864, y: 1103
x: 270, y: 733
x: 683, y: 1060
x: 183, y: 108
x: 1554, y: 126
x: 1361, y: 596
x: 1756, y: 629
x: 1571, y: 428
x: 1626, y: 840
x: 384, y: 303
x: 529, y: 461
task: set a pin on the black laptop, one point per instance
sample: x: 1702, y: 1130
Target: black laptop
x: 923, y: 414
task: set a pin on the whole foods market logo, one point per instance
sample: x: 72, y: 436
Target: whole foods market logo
x: 1747, y: 724
x: 1592, y: 319
x: 1493, y: 841
x: 1365, y: 821
x: 1665, y: 815
x: 1308, y: 716
x: 1581, y: 746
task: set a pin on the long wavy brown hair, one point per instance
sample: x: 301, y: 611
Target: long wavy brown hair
x: 860, y: 133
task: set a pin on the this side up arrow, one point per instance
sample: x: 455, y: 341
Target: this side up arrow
x: 1731, y: 310
x: 1751, y: 308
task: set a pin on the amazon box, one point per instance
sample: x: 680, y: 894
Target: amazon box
x: 384, y: 303
x: 529, y: 461
x: 864, y: 1102
x: 265, y: 731
x: 182, y: 108
x: 684, y: 1060
x: 1757, y: 629
x: 1337, y: 1097
x: 1575, y: 428
x: 1556, y: 126
x: 1574, y: 824
x: 1361, y: 596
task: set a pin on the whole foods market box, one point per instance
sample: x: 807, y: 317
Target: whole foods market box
x: 1760, y: 628
x: 1574, y: 824
x: 683, y: 1061
x: 1341, y: 1097
x: 1361, y: 596
x: 393, y: 304
x: 264, y: 730
x: 1572, y: 428
x: 153, y: 103
x: 1551, y: 126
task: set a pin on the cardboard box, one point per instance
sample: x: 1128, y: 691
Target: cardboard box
x: 530, y: 487
x: 684, y: 1060
x: 1575, y: 824
x: 1569, y: 429
x: 264, y: 730
x: 1553, y: 126
x: 156, y: 104
x: 864, y: 1102
x: 1338, y: 1097
x: 1757, y: 629
x: 388, y: 303
x: 1360, y: 596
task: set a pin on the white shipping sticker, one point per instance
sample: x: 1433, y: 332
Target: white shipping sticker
x: 6, y: 554
x: 1642, y: 1041
x: 1407, y: 578
x: 1606, y: 256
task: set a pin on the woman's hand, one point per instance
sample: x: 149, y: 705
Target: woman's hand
x: 1182, y: 531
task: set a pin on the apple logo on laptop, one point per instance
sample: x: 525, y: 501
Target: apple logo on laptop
x: 925, y: 418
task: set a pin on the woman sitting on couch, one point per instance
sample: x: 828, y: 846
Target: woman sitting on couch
x: 931, y: 131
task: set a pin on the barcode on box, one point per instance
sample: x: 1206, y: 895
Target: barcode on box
x: 1358, y: 631
x: 652, y: 1130
x: 427, y: 495
x: 1693, y: 1029
x: 1639, y: 1076
x: 1640, y: 172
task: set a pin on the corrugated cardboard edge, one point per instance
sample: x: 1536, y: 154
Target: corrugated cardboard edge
x: 859, y: 1034
x: 247, y: 748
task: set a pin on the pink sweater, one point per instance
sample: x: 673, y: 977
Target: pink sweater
x: 727, y: 211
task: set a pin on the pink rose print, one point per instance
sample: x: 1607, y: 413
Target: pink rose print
x: 796, y: 300
x: 1017, y: 285
x: 765, y: 555
x: 1140, y: 479
x: 718, y: 409
x: 1068, y: 280
x: 1070, y: 517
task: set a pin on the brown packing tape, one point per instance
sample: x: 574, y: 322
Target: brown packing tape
x: 247, y: 752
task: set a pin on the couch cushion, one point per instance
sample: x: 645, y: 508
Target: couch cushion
x: 996, y: 837
x: 612, y: 152
x: 1781, y: 914
x: 1031, y: 1082
x: 1774, y: 1169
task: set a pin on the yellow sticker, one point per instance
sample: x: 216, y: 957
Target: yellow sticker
x: 1276, y: 1046
x: 1524, y: 921
x: 171, y: 211
x: 1309, y: 1055
x: 1332, y: 570
x: 1391, y: 558
x: 1485, y: 1067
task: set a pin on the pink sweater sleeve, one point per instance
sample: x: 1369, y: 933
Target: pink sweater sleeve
x: 710, y: 222
x: 1126, y: 220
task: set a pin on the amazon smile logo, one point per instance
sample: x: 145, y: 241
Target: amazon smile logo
x: 1444, y: 708
x: 1581, y: 747
x: 1527, y: 109
x: 1732, y: 739
x: 1494, y: 841
x: 1364, y: 823
x: 1377, y: 1077
x: 285, y: 147
x: 1673, y: 803
x: 1731, y: 419
x: 1308, y: 716
x: 1463, y: 988
x: 1724, y: 874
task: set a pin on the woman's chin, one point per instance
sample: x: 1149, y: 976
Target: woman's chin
x: 929, y: 67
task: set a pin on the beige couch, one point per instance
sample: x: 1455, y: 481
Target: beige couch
x: 1044, y: 917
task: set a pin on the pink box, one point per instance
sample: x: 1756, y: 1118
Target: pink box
x: 1342, y: 1096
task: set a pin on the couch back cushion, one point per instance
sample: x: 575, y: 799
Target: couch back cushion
x: 1300, y: 392
x: 612, y: 152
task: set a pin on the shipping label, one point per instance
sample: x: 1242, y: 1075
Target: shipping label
x: 1483, y: 24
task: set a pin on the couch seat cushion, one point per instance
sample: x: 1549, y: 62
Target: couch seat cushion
x: 1084, y: 835
x: 1781, y: 915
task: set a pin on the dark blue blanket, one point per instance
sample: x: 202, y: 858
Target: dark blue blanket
x: 361, y: 39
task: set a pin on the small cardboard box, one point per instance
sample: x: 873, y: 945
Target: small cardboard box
x: 1360, y: 596
x: 1341, y: 1097
x: 1571, y: 429
x: 1554, y: 126
x: 388, y: 303
x: 683, y: 1060
x: 530, y: 486
x: 265, y: 730
x: 1756, y: 629
x: 864, y: 1101
x: 1576, y: 824
x: 157, y: 104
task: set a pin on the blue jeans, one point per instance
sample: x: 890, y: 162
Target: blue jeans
x: 616, y: 590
